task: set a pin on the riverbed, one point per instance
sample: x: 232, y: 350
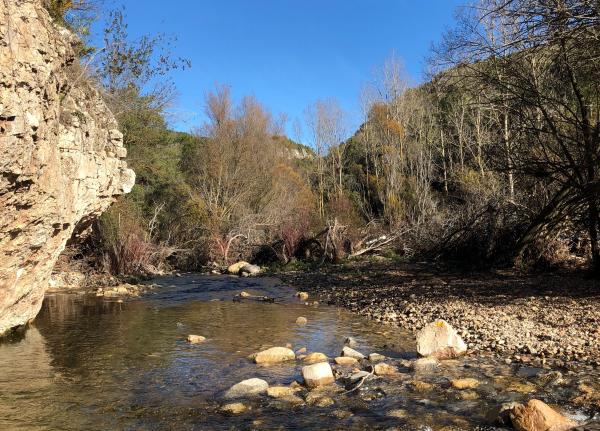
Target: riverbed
x: 94, y: 363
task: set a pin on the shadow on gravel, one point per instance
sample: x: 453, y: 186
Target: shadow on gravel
x: 399, y: 280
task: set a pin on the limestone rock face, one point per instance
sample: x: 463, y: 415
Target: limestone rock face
x: 440, y: 340
x: 61, y: 155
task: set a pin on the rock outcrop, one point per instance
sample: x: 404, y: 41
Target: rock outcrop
x: 61, y: 155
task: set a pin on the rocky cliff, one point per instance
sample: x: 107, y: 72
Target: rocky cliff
x: 61, y: 155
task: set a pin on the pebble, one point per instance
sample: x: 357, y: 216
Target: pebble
x: 420, y: 386
x: 468, y: 383
x: 301, y: 321
x: 279, y: 391
x: 234, y: 408
x: 315, y: 357
x: 385, y: 370
x: 303, y: 296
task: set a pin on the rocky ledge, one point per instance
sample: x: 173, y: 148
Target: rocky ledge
x: 542, y: 319
x: 62, y: 157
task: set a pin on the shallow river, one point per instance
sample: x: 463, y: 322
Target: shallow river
x: 89, y: 363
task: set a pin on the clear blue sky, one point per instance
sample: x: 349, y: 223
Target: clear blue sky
x: 289, y: 53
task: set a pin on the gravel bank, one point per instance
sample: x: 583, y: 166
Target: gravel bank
x: 543, y: 319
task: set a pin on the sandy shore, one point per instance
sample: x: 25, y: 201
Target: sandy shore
x: 549, y: 319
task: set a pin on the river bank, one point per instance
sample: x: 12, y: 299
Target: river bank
x: 549, y: 319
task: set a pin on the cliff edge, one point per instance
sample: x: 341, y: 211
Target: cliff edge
x: 61, y: 155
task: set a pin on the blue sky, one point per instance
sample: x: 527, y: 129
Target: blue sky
x: 289, y: 53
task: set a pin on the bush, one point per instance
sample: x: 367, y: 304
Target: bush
x: 126, y: 247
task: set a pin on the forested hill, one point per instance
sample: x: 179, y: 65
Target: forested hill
x: 494, y: 161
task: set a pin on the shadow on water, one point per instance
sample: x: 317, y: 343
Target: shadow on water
x: 89, y: 363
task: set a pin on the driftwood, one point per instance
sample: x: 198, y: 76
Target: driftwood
x: 376, y: 244
x: 362, y: 380
x: 333, y: 248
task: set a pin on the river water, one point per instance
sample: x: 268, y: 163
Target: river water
x: 90, y: 363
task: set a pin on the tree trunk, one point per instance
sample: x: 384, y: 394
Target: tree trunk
x: 593, y: 231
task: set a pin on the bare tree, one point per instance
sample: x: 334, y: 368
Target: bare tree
x: 541, y: 63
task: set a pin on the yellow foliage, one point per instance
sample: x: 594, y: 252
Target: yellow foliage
x: 395, y: 127
x: 380, y: 113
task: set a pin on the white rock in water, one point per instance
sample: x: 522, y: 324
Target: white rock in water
x: 274, y: 355
x: 250, y: 270
x: 247, y: 388
x: 347, y: 351
x: 235, y: 268
x: 440, y: 340
x: 318, y: 374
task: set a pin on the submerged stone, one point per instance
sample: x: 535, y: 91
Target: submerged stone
x: 196, y: 339
x: 465, y: 383
x: 280, y: 391
x: 315, y: 357
x: 425, y: 365
x: 234, y: 408
x: 247, y: 388
x: 275, y: 355
x: 385, y: 370
x: 301, y: 320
